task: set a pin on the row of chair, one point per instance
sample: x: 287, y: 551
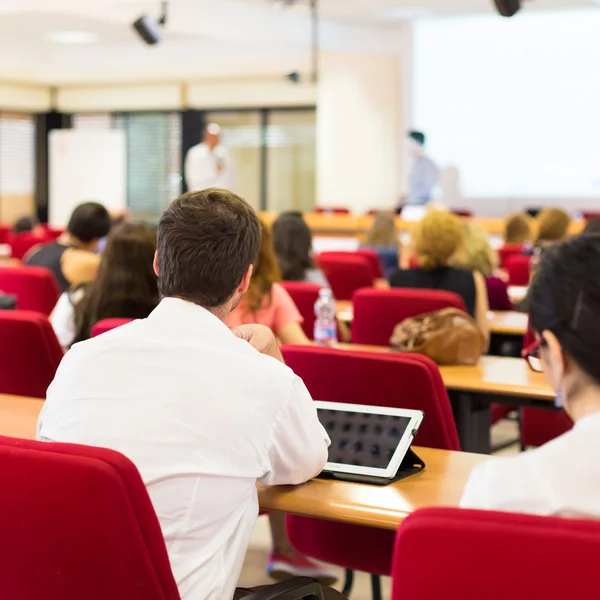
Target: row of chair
x: 102, y: 539
x: 35, y: 287
x: 343, y: 210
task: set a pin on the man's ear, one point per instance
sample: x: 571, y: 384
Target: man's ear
x: 557, y: 361
x: 245, y: 283
x: 155, y: 263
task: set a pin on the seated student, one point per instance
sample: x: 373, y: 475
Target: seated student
x: 563, y: 476
x: 26, y: 234
x: 438, y: 239
x: 266, y: 301
x: 552, y: 227
x: 384, y: 238
x: 292, y: 240
x: 27, y: 225
x: 72, y: 257
x: 517, y: 229
x: 479, y: 257
x: 125, y: 287
x: 202, y: 411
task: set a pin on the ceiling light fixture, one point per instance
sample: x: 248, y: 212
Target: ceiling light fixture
x: 151, y: 30
x: 72, y: 37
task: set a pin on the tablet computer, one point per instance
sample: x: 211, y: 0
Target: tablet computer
x: 367, y: 440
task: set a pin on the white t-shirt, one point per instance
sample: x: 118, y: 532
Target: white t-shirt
x: 203, y: 416
x: 63, y: 317
x: 208, y: 169
x: 560, y: 478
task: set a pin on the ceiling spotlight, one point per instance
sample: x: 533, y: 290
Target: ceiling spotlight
x: 151, y: 30
x: 293, y: 76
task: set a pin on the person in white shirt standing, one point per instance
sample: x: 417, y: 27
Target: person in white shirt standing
x: 209, y: 165
x: 563, y: 476
x: 203, y: 411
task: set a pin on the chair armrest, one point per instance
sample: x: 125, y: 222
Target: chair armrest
x: 291, y: 589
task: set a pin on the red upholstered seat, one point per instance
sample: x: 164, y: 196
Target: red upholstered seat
x: 52, y: 233
x: 407, y: 381
x: 507, y: 251
x: 78, y: 524
x: 304, y: 296
x: 35, y: 287
x: 590, y: 215
x: 374, y: 259
x: 377, y: 312
x: 108, y: 324
x: 334, y: 210
x: 540, y: 425
x: 4, y: 233
x: 346, y: 272
x: 462, y: 212
x: 29, y: 353
x: 451, y: 553
x: 498, y: 294
x: 22, y: 243
x: 519, y: 270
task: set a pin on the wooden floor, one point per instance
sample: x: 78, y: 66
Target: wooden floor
x: 253, y: 572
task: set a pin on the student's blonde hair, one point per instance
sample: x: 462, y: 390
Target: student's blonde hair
x: 517, y: 229
x: 478, y: 254
x: 383, y: 231
x: 437, y: 238
x: 553, y: 225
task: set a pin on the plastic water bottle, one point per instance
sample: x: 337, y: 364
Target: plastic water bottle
x: 325, y: 323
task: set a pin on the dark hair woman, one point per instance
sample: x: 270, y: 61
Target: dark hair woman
x: 292, y: 240
x: 125, y: 286
x: 563, y: 476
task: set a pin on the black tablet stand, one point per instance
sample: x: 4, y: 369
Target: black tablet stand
x: 410, y: 465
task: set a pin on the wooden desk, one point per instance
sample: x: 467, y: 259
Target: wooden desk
x: 500, y: 322
x: 440, y: 484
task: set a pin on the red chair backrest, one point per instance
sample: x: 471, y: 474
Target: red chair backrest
x: 539, y: 425
x: 346, y: 272
x: 519, y: 270
x: 498, y: 294
x: 22, y: 243
x: 461, y: 212
x: 333, y: 210
x: 377, y: 312
x: 5, y: 231
x: 52, y: 233
x: 108, y: 324
x: 378, y: 379
x: 82, y: 519
x: 374, y: 259
x: 507, y: 251
x: 590, y: 215
x: 508, y: 556
x: 304, y: 296
x: 35, y: 287
x: 29, y: 353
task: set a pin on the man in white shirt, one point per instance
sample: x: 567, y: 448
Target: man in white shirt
x: 424, y: 173
x: 561, y: 477
x: 208, y: 165
x: 202, y: 411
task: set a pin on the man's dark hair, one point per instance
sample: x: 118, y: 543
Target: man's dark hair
x: 206, y: 242
x: 417, y: 136
x: 24, y: 224
x: 89, y: 221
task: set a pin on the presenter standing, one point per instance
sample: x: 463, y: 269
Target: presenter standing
x: 424, y: 173
x: 209, y: 165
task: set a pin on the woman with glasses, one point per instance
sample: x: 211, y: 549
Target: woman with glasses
x: 563, y: 476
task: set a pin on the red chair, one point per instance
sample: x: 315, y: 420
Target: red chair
x: 346, y: 272
x: 461, y: 212
x: 519, y: 270
x: 35, y: 287
x: 52, y: 233
x: 373, y: 257
x: 108, y: 324
x: 5, y: 231
x: 493, y: 556
x: 507, y: 251
x: 304, y: 296
x: 22, y: 243
x: 29, y: 353
x: 377, y: 379
x: 539, y: 425
x: 498, y: 294
x: 94, y: 535
x: 377, y: 312
x: 331, y: 210
x: 590, y: 215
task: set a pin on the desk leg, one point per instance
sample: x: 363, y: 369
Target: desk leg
x: 473, y: 421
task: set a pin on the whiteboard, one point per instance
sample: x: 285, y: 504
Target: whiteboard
x: 85, y: 166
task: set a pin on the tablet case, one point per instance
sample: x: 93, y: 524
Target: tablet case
x: 410, y: 465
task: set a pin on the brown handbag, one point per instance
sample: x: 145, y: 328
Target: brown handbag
x: 448, y: 336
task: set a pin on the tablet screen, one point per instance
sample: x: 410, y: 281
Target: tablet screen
x: 362, y: 439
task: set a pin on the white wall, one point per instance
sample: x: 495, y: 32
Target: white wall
x: 358, y: 120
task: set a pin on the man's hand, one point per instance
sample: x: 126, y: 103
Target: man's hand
x: 259, y: 337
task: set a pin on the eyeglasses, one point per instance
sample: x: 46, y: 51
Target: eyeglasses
x: 532, y: 355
